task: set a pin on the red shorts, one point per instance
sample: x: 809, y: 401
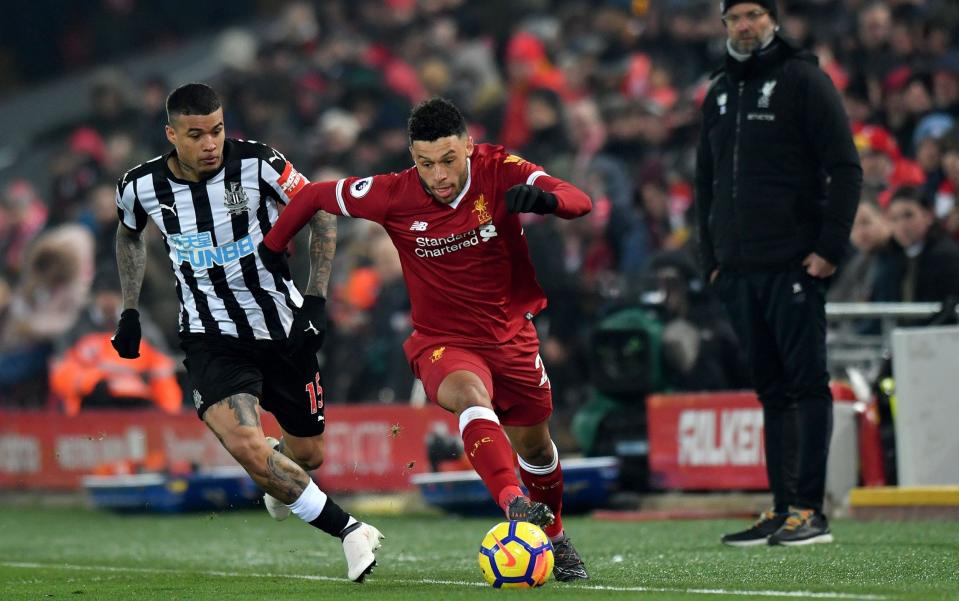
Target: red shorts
x: 513, y: 373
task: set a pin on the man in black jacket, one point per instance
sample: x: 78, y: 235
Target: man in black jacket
x: 777, y: 185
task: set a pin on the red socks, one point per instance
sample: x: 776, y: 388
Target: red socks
x: 490, y: 453
x: 545, y: 485
x: 488, y: 450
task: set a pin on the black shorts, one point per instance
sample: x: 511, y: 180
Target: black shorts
x: 288, y: 386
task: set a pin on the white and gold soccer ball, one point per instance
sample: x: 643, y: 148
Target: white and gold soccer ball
x: 516, y: 555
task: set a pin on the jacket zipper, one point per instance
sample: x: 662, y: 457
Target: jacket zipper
x: 739, y: 115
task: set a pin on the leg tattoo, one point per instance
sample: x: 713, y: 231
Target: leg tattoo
x: 244, y: 408
x: 285, y: 479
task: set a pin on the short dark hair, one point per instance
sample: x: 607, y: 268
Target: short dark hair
x: 434, y: 119
x: 191, y: 99
x: 913, y: 195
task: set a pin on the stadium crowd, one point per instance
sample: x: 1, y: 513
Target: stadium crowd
x: 603, y: 94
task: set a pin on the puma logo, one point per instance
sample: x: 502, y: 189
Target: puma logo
x: 171, y: 208
x: 311, y: 328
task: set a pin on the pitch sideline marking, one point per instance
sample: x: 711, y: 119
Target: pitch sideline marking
x: 594, y: 587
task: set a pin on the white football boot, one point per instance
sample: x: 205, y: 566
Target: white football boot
x: 275, y: 507
x: 359, y: 542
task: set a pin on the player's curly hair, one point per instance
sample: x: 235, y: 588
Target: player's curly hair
x: 434, y: 119
x: 191, y: 99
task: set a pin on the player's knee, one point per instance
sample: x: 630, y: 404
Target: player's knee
x: 310, y: 458
x: 306, y: 452
x: 250, y: 451
x: 470, y: 394
x: 538, y: 453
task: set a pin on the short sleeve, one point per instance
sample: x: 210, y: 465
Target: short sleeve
x: 366, y: 197
x: 515, y: 170
x: 130, y: 211
x: 280, y: 174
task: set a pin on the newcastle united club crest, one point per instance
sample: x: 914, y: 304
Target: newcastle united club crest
x: 235, y: 198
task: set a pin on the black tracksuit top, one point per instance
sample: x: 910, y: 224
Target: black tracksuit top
x: 777, y: 173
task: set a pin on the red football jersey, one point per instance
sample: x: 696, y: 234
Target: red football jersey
x: 466, y: 264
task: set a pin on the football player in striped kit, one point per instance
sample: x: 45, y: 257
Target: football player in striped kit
x: 250, y: 338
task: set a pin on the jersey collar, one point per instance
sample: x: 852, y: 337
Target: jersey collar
x: 227, y: 148
x: 466, y: 186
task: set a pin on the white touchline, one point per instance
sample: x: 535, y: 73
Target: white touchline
x: 594, y: 587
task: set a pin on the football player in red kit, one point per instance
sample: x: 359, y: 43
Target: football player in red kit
x: 473, y: 292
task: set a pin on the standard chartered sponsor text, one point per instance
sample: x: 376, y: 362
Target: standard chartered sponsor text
x: 437, y: 247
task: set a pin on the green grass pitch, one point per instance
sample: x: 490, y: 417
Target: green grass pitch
x: 80, y: 554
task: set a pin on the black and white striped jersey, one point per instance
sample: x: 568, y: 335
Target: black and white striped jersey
x: 211, y: 230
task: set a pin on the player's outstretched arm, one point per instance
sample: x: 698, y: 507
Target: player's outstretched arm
x: 549, y: 195
x: 131, y: 264
x: 311, y: 198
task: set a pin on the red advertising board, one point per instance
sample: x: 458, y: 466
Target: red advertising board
x: 706, y: 441
x: 368, y: 447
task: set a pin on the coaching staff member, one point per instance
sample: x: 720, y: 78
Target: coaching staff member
x: 777, y: 184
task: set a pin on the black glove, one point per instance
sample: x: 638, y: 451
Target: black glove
x: 309, y: 325
x: 126, y: 340
x: 274, y: 261
x: 523, y: 198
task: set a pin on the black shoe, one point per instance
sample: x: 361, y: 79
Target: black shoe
x: 523, y: 509
x: 768, y: 523
x: 568, y: 564
x: 803, y: 527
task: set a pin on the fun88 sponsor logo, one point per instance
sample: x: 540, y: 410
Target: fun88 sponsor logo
x: 198, y: 250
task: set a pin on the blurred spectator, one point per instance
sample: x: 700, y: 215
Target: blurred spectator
x: 100, y: 216
x: 88, y: 373
x: 946, y: 206
x: 700, y: 349
x: 649, y: 227
x: 883, y: 166
x: 528, y: 68
x: 149, y: 127
x: 547, y: 138
x: 110, y: 107
x: 77, y: 169
x: 946, y: 84
x: 926, y: 138
x: 52, y: 290
x: 873, y: 54
x: 22, y: 216
x: 925, y: 266
x: 871, y: 236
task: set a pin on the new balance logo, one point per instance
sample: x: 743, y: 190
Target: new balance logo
x: 419, y: 226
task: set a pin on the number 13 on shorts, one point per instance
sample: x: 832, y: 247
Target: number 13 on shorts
x: 315, y: 390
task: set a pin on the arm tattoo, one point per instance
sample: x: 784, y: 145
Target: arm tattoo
x: 131, y: 263
x: 286, y: 478
x: 244, y: 408
x: 322, y: 247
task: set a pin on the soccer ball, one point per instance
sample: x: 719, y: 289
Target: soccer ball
x: 516, y: 555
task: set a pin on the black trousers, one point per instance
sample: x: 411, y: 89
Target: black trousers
x: 780, y: 318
